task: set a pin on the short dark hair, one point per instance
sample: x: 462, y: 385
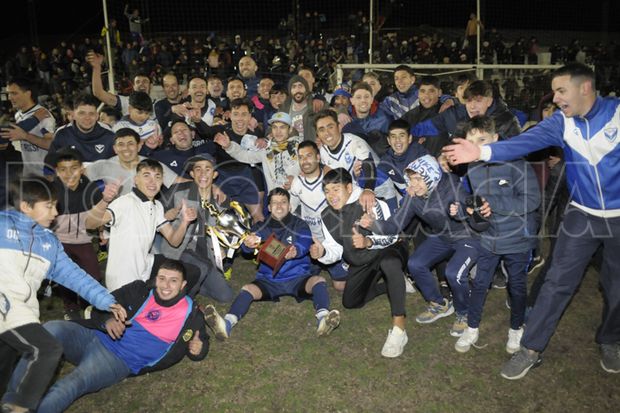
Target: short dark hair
x: 213, y: 77
x: 463, y: 78
x: 26, y: 85
x: 173, y: 265
x: 430, y: 81
x: 399, y: 124
x: 404, y: 68
x: 123, y: 132
x: 235, y: 79
x: 278, y: 191
x: 308, y: 144
x: 361, y: 86
x: 31, y: 189
x: 278, y: 88
x: 113, y: 112
x: 148, y: 163
x: 576, y: 70
x: 237, y: 103
x: 85, y: 99
x: 337, y: 176
x: 325, y: 113
x: 481, y: 123
x: 65, y: 154
x: 141, y: 101
x: 478, y: 88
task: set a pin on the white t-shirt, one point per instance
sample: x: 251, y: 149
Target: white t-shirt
x: 110, y: 170
x: 132, y: 231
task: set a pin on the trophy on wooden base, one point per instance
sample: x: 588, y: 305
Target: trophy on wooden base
x: 273, y: 252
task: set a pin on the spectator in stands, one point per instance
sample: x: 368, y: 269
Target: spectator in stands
x: 85, y: 134
x: 135, y: 24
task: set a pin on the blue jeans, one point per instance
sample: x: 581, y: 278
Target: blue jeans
x: 461, y: 254
x: 516, y: 265
x: 95, y: 367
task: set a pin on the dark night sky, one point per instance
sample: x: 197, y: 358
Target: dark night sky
x: 85, y: 17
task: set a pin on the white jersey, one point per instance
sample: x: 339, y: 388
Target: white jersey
x: 352, y: 149
x: 146, y: 130
x: 310, y: 196
x: 32, y: 155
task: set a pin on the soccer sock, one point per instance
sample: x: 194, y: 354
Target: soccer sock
x: 241, y: 305
x: 320, y: 297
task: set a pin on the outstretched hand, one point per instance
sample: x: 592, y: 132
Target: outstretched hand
x: 462, y: 151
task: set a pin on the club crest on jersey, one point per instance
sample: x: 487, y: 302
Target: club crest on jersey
x: 173, y: 163
x: 347, y: 158
x: 153, y: 315
x: 99, y: 148
x: 611, y: 133
x: 47, y: 246
x: 187, y: 336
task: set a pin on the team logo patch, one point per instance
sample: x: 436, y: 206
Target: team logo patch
x: 99, y: 148
x: 153, y: 315
x: 611, y: 133
x: 187, y: 336
x: 173, y: 163
x: 47, y: 246
x: 347, y: 158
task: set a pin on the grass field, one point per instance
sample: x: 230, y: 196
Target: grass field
x: 274, y: 363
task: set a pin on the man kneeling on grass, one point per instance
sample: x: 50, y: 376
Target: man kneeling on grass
x: 163, y: 326
x: 291, y: 279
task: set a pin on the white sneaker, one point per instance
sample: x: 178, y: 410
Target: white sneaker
x: 514, y: 340
x: 328, y: 323
x: 395, y: 343
x: 409, y: 288
x: 469, y: 338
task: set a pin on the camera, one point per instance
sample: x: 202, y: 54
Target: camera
x: 475, y: 202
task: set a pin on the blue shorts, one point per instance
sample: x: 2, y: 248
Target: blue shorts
x: 273, y: 290
x: 238, y: 185
x: 338, y: 271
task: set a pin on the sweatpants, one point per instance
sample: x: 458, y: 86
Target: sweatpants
x: 364, y: 281
x: 579, y: 237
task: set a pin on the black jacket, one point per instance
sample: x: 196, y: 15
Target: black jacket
x: 132, y: 296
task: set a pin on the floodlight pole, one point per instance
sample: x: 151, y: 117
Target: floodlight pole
x: 370, y: 31
x: 109, y: 47
x: 479, y: 71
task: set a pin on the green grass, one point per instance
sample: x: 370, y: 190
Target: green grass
x: 274, y: 363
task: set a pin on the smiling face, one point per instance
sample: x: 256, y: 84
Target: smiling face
x: 403, y: 80
x: 417, y: 186
x: 247, y: 67
x: 126, y: 148
x: 203, y: 173
x: 279, y: 207
x: 337, y: 195
x: 85, y: 117
x: 362, y: 101
x: 298, y: 91
x: 171, y: 87
x: 328, y: 131
x: 169, y: 283
x: 429, y: 96
x: 215, y: 87
x: 240, y: 119
x: 197, y: 89
x: 181, y: 136
x: 149, y: 181
x: 142, y: 84
x: 309, y: 161
x: 235, y: 89
x: 399, y: 140
x: 70, y: 172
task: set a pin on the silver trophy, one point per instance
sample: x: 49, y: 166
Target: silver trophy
x: 232, y: 225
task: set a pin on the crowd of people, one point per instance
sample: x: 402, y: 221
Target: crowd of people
x: 381, y: 191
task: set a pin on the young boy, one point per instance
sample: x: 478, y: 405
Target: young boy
x: 76, y: 196
x: 372, y: 258
x: 429, y: 194
x: 139, y: 119
x: 292, y: 278
x: 512, y: 193
x: 30, y: 253
x: 134, y: 219
x: 279, y: 159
